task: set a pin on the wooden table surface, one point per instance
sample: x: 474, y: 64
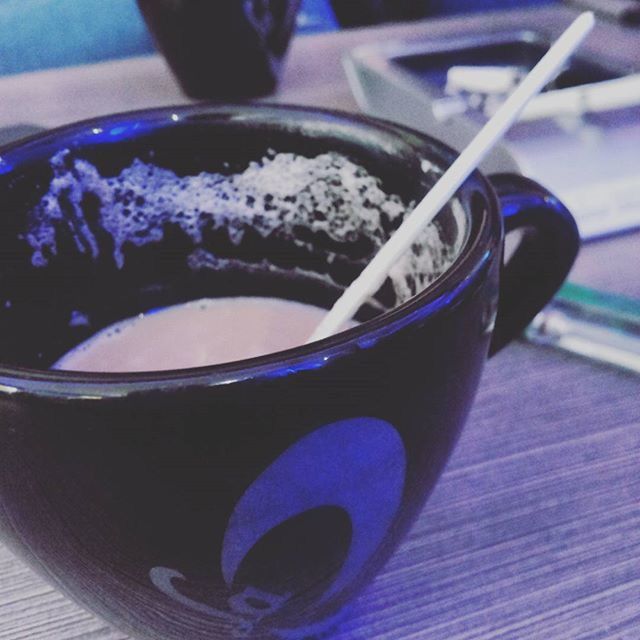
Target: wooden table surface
x: 533, y: 531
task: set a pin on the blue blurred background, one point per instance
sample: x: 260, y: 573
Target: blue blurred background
x: 39, y: 34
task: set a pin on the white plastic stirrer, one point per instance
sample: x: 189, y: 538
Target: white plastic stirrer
x: 374, y: 274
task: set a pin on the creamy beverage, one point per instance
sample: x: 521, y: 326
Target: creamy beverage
x: 196, y: 334
x: 285, y: 216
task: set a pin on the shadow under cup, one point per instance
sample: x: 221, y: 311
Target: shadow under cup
x: 252, y: 499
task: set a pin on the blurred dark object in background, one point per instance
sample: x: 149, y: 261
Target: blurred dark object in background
x: 353, y: 13
x: 625, y: 11
x: 223, y: 48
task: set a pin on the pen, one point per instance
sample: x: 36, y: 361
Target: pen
x: 601, y: 326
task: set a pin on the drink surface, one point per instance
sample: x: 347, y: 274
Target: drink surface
x: 195, y: 334
x: 285, y: 216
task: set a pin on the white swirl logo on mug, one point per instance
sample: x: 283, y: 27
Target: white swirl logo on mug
x: 351, y: 468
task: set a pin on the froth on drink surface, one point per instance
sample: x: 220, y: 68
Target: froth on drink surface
x: 196, y: 334
x: 332, y: 211
x: 326, y: 205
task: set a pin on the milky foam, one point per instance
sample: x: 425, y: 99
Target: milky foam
x: 326, y: 205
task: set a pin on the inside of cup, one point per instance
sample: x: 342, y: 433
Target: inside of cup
x: 127, y: 217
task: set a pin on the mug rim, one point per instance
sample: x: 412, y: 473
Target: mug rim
x: 436, y: 296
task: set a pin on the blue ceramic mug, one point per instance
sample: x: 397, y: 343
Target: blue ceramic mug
x: 250, y: 499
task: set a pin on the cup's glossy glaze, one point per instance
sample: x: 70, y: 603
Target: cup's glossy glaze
x: 251, y: 499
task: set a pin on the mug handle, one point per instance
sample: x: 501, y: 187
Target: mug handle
x: 541, y: 262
